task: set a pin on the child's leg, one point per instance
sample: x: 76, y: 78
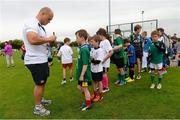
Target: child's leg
x: 95, y: 84
x: 70, y: 70
x: 80, y: 89
x: 121, y: 74
x: 11, y: 60
x: 131, y: 71
x: 105, y: 79
x: 8, y: 60
x: 152, y: 75
x: 100, y: 89
x: 64, y: 73
x: 143, y: 60
x: 87, y: 96
x: 160, y: 76
x: 139, y: 65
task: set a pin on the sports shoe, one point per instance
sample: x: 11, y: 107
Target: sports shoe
x: 127, y: 78
x: 122, y: 83
x: 97, y: 98
x: 138, y: 77
x: 149, y: 72
x: 105, y: 90
x: 152, y: 86
x: 63, y: 82
x: 71, y: 80
x: 143, y: 70
x: 40, y: 110
x: 83, y: 105
x: 117, y: 82
x: 130, y: 80
x: 84, y: 108
x: 46, y: 102
x: 159, y: 86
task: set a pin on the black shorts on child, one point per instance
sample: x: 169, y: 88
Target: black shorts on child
x: 119, y: 62
x: 97, y: 76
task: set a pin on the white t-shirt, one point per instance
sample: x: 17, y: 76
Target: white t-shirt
x: 97, y: 54
x: 35, y: 54
x: 66, y: 53
x: 106, y: 46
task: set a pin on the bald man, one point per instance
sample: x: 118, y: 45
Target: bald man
x: 36, y: 40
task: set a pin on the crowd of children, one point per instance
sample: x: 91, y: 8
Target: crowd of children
x: 94, y: 55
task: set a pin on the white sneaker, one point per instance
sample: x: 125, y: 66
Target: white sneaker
x: 40, y: 110
x: 138, y: 77
x: 150, y: 71
x: 105, y: 90
x: 71, y: 80
x: 159, y: 86
x: 63, y: 82
x: 152, y: 86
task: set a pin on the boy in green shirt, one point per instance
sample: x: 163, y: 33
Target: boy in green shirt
x: 83, y: 72
x: 119, y: 57
x: 156, y: 58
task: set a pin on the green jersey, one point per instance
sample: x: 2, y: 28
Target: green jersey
x: 156, y: 54
x: 83, y: 59
x: 120, y: 53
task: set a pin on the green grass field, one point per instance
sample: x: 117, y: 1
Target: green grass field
x: 134, y: 100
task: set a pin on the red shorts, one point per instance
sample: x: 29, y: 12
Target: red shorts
x: 67, y: 65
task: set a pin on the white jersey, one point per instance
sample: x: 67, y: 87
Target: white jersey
x: 35, y: 54
x: 66, y: 53
x: 106, y: 46
x: 97, y: 54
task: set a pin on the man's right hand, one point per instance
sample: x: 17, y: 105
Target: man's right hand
x: 52, y: 38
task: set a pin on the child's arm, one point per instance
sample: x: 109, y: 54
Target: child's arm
x: 108, y: 56
x: 83, y: 72
x: 59, y: 54
x: 117, y: 47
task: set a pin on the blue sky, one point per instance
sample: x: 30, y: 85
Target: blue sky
x: 71, y: 15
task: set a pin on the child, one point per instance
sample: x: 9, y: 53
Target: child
x: 107, y: 51
x: 23, y: 50
x: 146, y: 42
x: 136, y: 40
x: 50, y: 55
x: 8, y: 51
x: 67, y: 55
x: 83, y: 72
x: 119, y: 57
x: 131, y: 59
x: 156, y: 55
x: 96, y: 68
x: 166, y: 41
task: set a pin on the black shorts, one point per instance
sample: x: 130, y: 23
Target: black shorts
x: 40, y: 72
x: 97, y: 76
x: 105, y: 70
x: 119, y: 62
x: 139, y: 54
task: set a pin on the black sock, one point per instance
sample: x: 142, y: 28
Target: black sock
x: 70, y: 77
x: 131, y: 74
